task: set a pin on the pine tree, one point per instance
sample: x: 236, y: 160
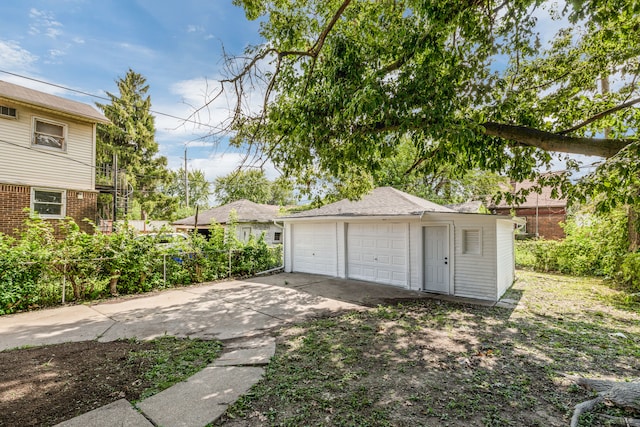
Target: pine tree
x: 131, y: 136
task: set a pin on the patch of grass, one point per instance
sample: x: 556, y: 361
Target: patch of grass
x: 174, y: 360
x: 437, y: 363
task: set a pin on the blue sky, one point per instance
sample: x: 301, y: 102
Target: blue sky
x: 177, y: 45
x: 88, y: 44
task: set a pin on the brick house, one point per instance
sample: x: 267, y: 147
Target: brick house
x: 543, y: 213
x: 47, y: 157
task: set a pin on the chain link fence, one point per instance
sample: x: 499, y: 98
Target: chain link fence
x: 35, y: 284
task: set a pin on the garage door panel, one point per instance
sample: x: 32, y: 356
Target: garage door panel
x: 314, y: 248
x: 377, y: 252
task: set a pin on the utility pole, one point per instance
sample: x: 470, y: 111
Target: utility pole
x: 186, y: 179
x: 115, y: 190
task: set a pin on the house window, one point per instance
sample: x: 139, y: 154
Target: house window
x: 48, y: 203
x: 8, y: 112
x: 277, y: 236
x: 245, y: 233
x: 472, y: 242
x: 49, y: 134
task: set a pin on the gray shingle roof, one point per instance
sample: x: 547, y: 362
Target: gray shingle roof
x: 467, y: 207
x: 383, y: 201
x: 23, y: 95
x: 246, y: 211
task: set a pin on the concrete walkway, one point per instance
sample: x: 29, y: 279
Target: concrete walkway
x: 242, y: 311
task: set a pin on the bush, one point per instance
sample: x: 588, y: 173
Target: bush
x: 538, y: 255
x: 630, y: 271
x: 595, y: 245
x: 32, y: 268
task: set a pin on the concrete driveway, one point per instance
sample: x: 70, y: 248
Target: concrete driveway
x: 241, y: 311
x: 221, y: 310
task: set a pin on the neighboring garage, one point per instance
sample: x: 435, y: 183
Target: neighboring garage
x: 394, y: 238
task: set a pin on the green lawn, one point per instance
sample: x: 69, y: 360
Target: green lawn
x: 433, y: 363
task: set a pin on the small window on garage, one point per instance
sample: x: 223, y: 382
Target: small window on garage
x: 277, y: 236
x: 472, y: 241
x: 48, y: 203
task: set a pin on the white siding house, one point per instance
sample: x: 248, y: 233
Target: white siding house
x: 394, y: 238
x: 47, y: 156
x: 253, y: 219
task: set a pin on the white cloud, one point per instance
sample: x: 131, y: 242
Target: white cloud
x: 14, y: 57
x: 137, y: 50
x: 214, y: 108
x: 223, y: 164
x: 195, y: 29
x: 53, y: 33
x: 54, y: 56
x: 78, y: 40
x: 44, y: 22
x: 217, y: 165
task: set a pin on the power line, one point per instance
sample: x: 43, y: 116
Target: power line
x: 108, y: 99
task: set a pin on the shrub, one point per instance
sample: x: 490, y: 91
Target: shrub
x: 539, y: 255
x: 32, y: 268
x: 595, y: 245
x: 630, y: 270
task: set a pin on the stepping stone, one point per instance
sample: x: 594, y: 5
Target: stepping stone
x: 201, y: 399
x: 118, y: 413
x: 256, y: 352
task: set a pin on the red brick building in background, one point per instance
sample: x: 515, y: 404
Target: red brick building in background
x: 542, y: 212
x: 47, y: 158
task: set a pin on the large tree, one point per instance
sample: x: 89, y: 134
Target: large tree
x: 253, y: 185
x: 469, y: 82
x: 445, y: 186
x: 130, y: 135
x: 199, y: 187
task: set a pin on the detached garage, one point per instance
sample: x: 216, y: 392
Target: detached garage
x: 394, y: 238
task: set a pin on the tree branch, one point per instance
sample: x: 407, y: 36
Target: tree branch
x: 600, y: 115
x: 556, y: 143
x: 323, y: 36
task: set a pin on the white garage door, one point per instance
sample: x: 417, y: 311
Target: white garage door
x: 314, y: 249
x: 377, y: 253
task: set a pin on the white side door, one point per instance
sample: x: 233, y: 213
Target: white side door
x: 436, y: 259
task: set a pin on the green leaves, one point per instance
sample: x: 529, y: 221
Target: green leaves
x: 253, y: 185
x: 356, y: 78
x: 131, y: 136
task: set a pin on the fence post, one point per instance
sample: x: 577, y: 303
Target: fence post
x: 229, y: 275
x: 64, y: 281
x: 164, y: 269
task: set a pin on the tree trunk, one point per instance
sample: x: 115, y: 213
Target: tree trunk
x: 632, y: 228
x: 625, y: 395
x: 113, y: 283
x: 556, y: 143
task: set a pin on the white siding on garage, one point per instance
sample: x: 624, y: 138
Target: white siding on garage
x: 377, y: 252
x: 475, y: 270
x: 20, y: 163
x: 314, y: 248
x: 505, y: 255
